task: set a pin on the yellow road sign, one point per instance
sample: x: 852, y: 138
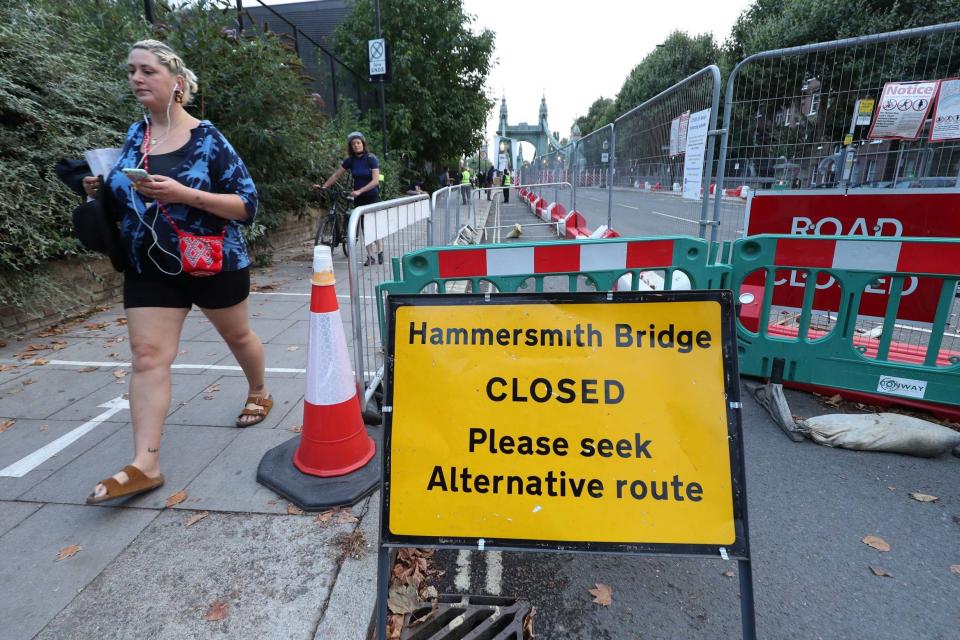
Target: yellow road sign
x: 584, y: 422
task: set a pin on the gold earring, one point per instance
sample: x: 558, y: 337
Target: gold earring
x: 178, y: 96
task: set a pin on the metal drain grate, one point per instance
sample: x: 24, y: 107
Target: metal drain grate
x: 468, y: 617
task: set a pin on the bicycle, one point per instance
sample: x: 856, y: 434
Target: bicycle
x: 332, y: 229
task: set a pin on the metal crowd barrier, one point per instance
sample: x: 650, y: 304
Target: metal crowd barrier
x: 838, y: 354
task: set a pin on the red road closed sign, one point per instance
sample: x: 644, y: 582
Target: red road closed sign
x: 920, y: 215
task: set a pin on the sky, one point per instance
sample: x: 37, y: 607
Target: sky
x: 576, y: 52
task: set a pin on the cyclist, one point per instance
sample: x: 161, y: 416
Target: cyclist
x: 365, y: 169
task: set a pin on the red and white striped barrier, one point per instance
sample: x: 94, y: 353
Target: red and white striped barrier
x: 860, y: 255
x: 556, y: 258
x: 334, y: 441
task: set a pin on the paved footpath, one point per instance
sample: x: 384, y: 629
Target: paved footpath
x: 142, y: 569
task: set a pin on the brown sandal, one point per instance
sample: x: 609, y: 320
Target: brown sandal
x: 261, y: 412
x: 137, y: 482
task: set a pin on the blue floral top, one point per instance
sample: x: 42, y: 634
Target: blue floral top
x: 211, y: 165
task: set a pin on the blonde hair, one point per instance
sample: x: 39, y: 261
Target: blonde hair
x: 174, y: 63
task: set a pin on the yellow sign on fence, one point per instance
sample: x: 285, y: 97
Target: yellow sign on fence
x: 590, y: 422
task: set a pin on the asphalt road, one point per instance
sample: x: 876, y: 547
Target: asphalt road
x: 641, y: 213
x: 808, y: 509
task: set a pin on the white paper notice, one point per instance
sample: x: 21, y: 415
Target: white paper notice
x: 903, y: 110
x: 101, y: 160
x: 946, y: 116
x: 675, y: 137
x: 697, y: 128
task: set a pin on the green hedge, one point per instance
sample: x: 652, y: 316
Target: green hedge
x: 63, y: 90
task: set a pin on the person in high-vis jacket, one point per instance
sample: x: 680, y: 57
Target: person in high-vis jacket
x: 507, y: 183
x: 465, y: 185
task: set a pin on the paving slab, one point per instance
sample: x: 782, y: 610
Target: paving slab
x: 54, y: 390
x: 13, y: 513
x: 204, y: 352
x: 229, y: 482
x: 354, y: 596
x: 16, y: 371
x: 278, y: 307
x: 277, y: 356
x: 297, y: 333
x: 193, y: 325
x: 45, y: 585
x: 184, y: 388
x: 28, y: 436
x: 273, y: 572
x: 185, y: 452
x: 265, y: 328
x: 225, y: 403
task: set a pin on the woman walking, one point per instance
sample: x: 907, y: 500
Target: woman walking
x: 182, y: 193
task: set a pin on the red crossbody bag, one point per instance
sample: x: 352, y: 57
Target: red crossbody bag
x: 199, y: 255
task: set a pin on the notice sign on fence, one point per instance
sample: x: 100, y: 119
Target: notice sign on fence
x: 903, y: 110
x: 564, y: 418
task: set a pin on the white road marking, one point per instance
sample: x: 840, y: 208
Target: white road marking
x: 27, y: 464
x: 620, y: 204
x: 494, y: 572
x: 462, y: 580
x: 213, y: 367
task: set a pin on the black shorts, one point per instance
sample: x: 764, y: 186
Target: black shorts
x: 155, y: 289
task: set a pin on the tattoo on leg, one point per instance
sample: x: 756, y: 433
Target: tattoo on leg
x: 149, y: 450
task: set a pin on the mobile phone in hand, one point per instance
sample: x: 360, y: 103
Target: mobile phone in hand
x: 136, y: 174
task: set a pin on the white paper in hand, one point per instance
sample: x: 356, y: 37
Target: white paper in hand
x: 101, y: 160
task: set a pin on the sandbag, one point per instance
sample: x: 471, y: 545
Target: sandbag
x: 890, y: 432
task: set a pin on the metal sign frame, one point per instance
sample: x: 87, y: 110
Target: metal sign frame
x: 738, y: 551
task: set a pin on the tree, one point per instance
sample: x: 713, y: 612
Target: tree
x: 670, y: 62
x: 598, y: 115
x: 436, y: 105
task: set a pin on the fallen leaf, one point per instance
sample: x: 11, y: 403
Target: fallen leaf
x: 323, y: 518
x: 44, y: 427
x: 876, y: 542
x: 7, y: 367
x: 6, y: 424
x: 114, y: 355
x: 727, y: 574
x: 67, y: 552
x: 177, y: 498
x: 602, y: 595
x: 39, y: 362
x: 218, y: 611
x: 528, y: 624
x: 197, y: 518
x: 293, y: 348
x: 28, y: 382
x: 955, y: 569
x: 208, y: 397
x: 57, y: 345
x: 834, y: 400
x: 97, y: 325
x: 294, y: 510
x: 880, y: 573
x: 402, y: 598
x: 213, y: 388
x: 345, y: 517
x: 120, y: 373
x: 922, y: 497
x: 180, y: 353
x: 119, y: 339
x: 297, y: 428
x: 430, y: 593
x: 87, y: 369
x: 121, y: 321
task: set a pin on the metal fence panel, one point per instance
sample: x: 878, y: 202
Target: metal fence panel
x: 653, y: 193
x: 791, y: 117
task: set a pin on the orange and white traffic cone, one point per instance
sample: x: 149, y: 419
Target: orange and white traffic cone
x: 334, y: 441
x: 334, y: 461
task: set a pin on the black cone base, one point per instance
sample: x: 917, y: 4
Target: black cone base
x: 310, y: 493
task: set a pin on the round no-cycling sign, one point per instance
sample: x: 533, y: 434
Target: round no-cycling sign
x: 377, y: 51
